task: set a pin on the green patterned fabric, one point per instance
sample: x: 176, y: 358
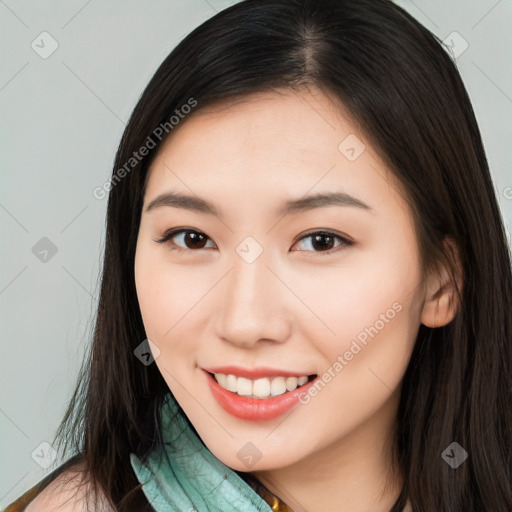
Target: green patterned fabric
x: 191, y: 478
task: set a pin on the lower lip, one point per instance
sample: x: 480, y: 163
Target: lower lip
x: 256, y: 409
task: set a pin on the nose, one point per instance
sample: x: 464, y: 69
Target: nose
x: 254, y: 304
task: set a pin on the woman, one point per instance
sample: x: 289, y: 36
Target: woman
x: 233, y: 366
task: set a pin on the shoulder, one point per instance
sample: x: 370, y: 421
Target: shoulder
x: 69, y: 492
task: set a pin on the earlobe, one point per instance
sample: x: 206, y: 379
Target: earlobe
x: 442, y: 290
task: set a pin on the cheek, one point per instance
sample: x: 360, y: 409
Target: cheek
x: 370, y: 302
x: 374, y: 315
x: 169, y: 299
x: 152, y: 293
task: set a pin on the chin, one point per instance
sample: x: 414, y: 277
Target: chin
x: 248, y: 458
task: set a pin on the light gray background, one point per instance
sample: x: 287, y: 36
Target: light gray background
x: 61, y: 121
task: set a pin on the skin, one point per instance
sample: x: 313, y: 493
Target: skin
x: 296, y: 307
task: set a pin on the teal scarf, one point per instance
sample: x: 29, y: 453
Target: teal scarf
x: 193, y: 479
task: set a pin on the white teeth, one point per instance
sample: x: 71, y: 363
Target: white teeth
x: 277, y: 386
x: 259, y: 388
x: 291, y: 383
x: 302, y: 380
x: 222, y: 380
x: 244, y: 386
x: 230, y: 383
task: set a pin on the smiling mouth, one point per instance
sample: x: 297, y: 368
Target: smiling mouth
x: 263, y: 388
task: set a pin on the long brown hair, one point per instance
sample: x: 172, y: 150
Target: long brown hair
x: 405, y: 92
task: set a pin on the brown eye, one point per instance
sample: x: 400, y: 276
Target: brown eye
x: 186, y: 239
x: 194, y: 240
x: 325, y: 241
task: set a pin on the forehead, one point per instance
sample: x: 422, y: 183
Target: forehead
x: 272, y: 143
x: 281, y: 122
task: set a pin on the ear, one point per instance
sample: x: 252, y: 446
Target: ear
x: 441, y: 297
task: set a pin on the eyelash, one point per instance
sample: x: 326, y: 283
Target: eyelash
x: 344, y: 242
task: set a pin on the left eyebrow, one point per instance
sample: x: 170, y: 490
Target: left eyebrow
x: 321, y: 200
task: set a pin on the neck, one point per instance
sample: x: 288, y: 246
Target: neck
x: 353, y: 475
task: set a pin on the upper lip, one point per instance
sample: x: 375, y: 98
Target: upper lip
x: 255, y: 373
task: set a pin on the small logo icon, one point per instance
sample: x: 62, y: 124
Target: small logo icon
x: 44, y: 45
x: 454, y: 455
x: 44, y: 455
x: 44, y: 250
x: 147, y: 352
x: 249, y: 454
x: 351, y: 147
x: 455, y: 44
x: 249, y: 249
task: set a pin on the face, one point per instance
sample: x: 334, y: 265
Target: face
x: 311, y: 305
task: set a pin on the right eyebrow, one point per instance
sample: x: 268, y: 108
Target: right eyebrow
x: 178, y: 200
